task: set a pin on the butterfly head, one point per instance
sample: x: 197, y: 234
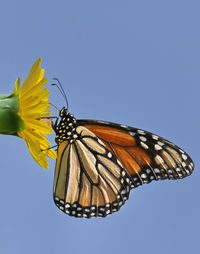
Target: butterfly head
x: 65, y: 129
x: 64, y: 112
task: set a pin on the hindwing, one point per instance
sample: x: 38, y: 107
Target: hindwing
x: 89, y: 180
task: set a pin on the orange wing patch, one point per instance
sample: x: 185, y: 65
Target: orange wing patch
x: 140, y: 155
x: 126, y: 159
x: 113, y: 135
x: 123, y: 145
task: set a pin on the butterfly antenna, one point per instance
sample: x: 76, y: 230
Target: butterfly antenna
x: 54, y: 106
x: 60, y: 88
x: 61, y: 91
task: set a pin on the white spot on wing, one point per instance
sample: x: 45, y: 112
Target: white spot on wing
x: 141, y: 132
x: 100, y: 142
x: 148, y: 171
x: 155, y: 137
x: 119, y: 163
x: 157, y: 170
x: 144, y: 176
x: 144, y: 145
x: 124, y: 126
x: 184, y: 156
x: 184, y: 164
x: 143, y: 138
x: 157, y: 147
x: 109, y: 155
x: 123, y: 173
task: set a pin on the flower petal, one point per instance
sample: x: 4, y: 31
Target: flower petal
x: 34, y: 107
x: 38, y: 125
x: 34, y: 76
x: 36, y: 89
x: 34, y: 99
x: 35, y: 150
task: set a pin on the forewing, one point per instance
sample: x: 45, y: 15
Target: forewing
x: 144, y: 155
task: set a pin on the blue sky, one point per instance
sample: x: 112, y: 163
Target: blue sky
x: 130, y: 62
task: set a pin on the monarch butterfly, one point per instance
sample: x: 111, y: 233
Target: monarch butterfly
x: 99, y: 163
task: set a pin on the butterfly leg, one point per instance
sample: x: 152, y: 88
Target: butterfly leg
x: 54, y: 125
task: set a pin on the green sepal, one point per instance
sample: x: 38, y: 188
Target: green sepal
x: 10, y: 121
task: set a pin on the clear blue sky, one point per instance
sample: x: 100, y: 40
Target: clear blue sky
x: 130, y: 62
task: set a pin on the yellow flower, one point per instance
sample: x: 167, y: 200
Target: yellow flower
x: 33, y: 108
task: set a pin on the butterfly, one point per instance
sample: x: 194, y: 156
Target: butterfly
x: 99, y: 162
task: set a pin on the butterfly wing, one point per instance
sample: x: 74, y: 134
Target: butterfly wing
x: 89, y: 180
x: 144, y: 155
x: 97, y: 167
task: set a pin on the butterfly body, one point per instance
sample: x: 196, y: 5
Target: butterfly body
x: 100, y: 162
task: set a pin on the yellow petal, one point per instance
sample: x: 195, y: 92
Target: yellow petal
x: 33, y: 100
x: 35, y: 89
x: 34, y: 107
x: 35, y: 151
x: 34, y: 76
x: 38, y: 125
